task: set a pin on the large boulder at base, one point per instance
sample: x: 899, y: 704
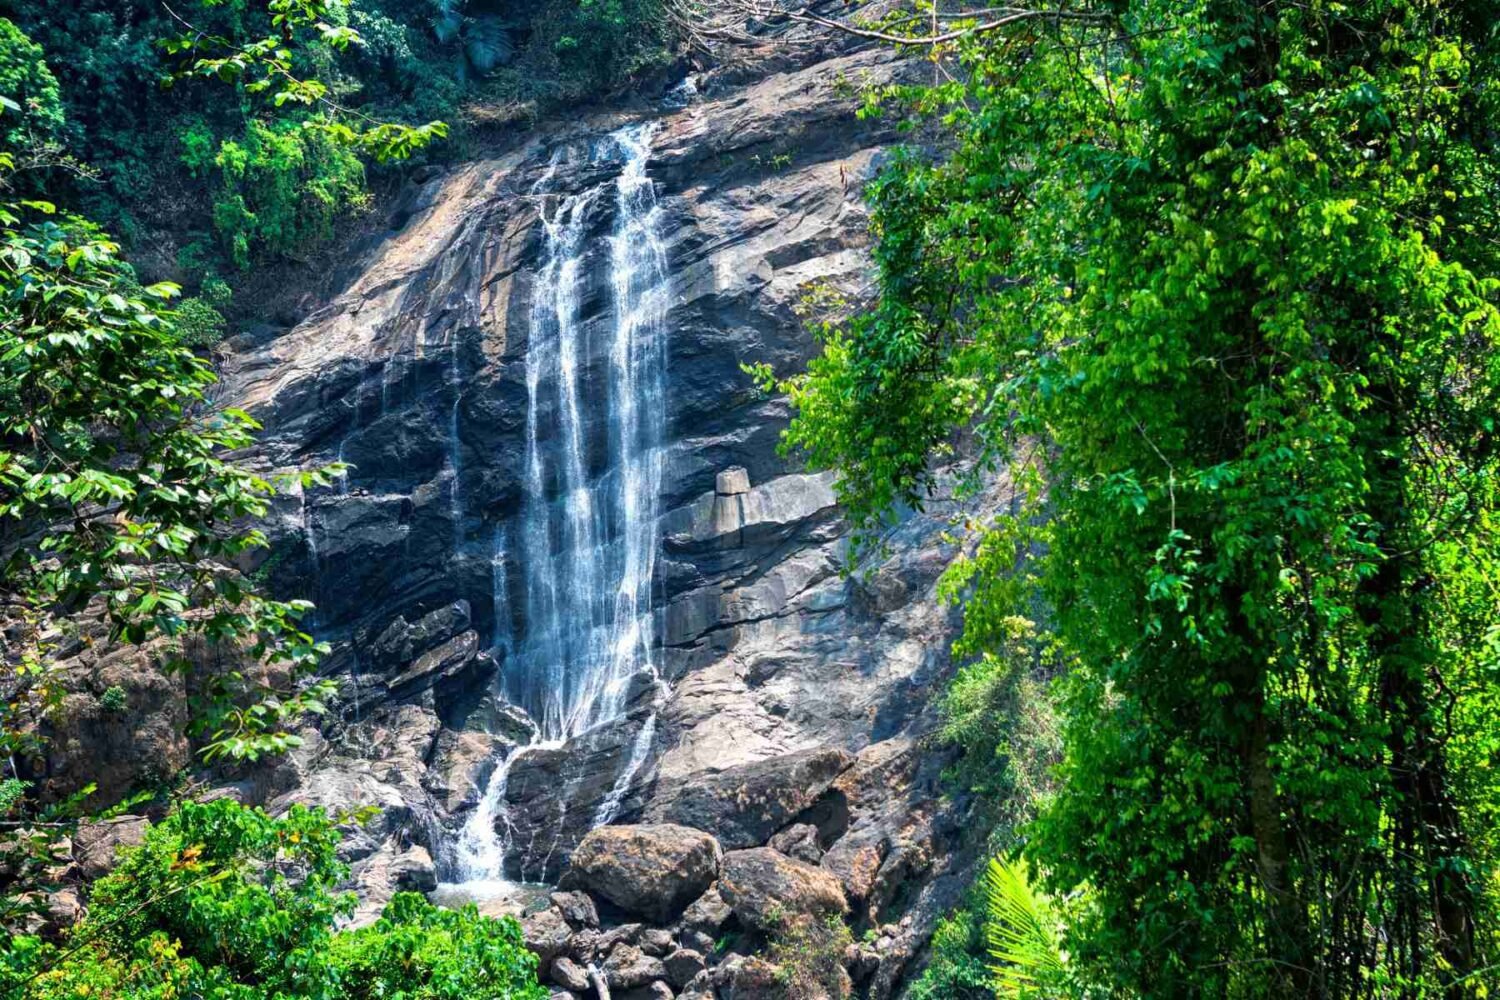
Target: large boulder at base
x: 764, y: 887
x: 654, y: 871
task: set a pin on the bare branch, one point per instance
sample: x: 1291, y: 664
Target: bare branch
x: 732, y: 20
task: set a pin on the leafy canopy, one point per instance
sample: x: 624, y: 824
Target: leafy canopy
x: 1211, y: 287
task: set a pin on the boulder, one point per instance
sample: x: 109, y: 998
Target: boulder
x: 683, y: 966
x: 96, y: 843
x: 628, y: 967
x: 708, y: 912
x: 546, y: 933
x: 746, y: 978
x: 697, y: 941
x: 764, y: 887
x: 577, y: 908
x: 413, y: 871
x: 653, y: 870
x: 745, y: 805
x: 855, y: 861
x: 651, y: 991
x: 569, y: 974
x: 655, y: 941
x: 799, y: 841
x: 619, y: 934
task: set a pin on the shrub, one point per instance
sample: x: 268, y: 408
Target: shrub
x: 223, y: 902
x: 200, y: 319
x: 958, y: 968
x: 281, y: 187
x: 113, y: 699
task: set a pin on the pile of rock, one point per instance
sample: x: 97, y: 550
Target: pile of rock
x: 658, y: 911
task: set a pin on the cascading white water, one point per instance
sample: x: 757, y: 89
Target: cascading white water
x: 596, y: 427
x: 590, y: 537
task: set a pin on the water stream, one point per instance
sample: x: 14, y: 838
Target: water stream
x: 586, y: 538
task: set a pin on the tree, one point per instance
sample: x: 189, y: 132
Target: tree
x: 1213, y: 282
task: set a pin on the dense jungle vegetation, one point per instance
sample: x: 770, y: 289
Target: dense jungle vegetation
x: 1214, y: 285
x: 1211, y: 285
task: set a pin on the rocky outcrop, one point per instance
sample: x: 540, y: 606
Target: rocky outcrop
x: 784, y: 697
x: 745, y: 805
x: 765, y: 888
x: 654, y: 871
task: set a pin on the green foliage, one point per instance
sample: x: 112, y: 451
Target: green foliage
x: 958, y: 967
x: 418, y: 950
x: 115, y: 489
x: 113, y: 699
x: 998, y: 713
x: 281, y: 187
x: 223, y: 902
x: 1022, y: 933
x: 305, y: 90
x: 200, y: 318
x: 264, y: 61
x: 1213, y: 285
x: 26, y: 80
x: 116, y: 499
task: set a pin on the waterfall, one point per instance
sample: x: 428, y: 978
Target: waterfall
x: 590, y: 536
x: 587, y: 534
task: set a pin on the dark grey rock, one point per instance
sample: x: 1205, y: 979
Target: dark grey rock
x: 577, y: 908
x: 708, y: 912
x: 651, y: 991
x: 799, y: 841
x: 628, y: 967
x: 655, y: 941
x: 402, y: 643
x: 683, y: 966
x: 546, y: 933
x: 568, y: 974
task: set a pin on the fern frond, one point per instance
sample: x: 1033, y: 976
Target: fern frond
x: 1021, y: 933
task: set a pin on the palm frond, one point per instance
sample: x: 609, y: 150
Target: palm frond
x: 1021, y: 933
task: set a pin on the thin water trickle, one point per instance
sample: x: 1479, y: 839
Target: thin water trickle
x: 595, y: 454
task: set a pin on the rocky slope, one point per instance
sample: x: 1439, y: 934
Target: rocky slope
x: 783, y: 704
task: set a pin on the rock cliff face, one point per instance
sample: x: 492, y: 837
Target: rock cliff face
x: 762, y: 696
